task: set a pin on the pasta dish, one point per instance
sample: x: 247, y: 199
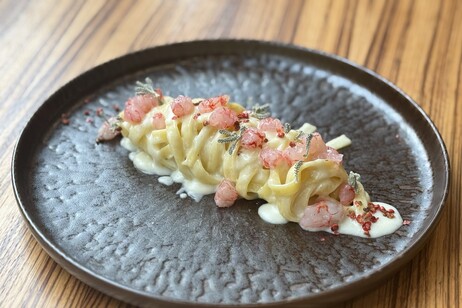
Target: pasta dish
x: 216, y: 146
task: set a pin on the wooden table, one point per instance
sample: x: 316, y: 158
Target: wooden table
x: 415, y: 44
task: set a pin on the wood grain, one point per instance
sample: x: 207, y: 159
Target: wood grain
x: 415, y: 44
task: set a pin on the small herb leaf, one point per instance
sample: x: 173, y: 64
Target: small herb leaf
x: 260, y: 112
x: 308, y: 142
x: 147, y: 88
x: 233, y: 137
x: 353, y: 180
x: 297, y: 167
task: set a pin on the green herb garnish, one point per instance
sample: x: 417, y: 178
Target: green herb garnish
x: 307, y: 146
x: 233, y: 137
x: 297, y: 166
x: 147, y: 89
x: 260, y: 112
x: 353, y: 180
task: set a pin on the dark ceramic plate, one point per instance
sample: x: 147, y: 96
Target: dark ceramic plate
x: 125, y: 234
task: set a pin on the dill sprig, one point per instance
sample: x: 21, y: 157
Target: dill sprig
x: 226, y: 132
x: 147, y: 88
x: 307, y: 146
x: 229, y: 139
x: 353, y: 180
x: 260, y: 112
x: 287, y: 128
x: 233, y: 137
x: 299, y: 163
x: 297, y: 167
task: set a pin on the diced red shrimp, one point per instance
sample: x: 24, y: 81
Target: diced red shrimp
x: 137, y: 107
x: 158, y: 120
x: 332, y: 154
x: 222, y: 118
x: 295, y: 151
x: 271, y: 125
x: 322, y: 214
x: 319, y: 150
x: 226, y: 194
x: 270, y: 158
x: 210, y: 104
x: 182, y: 105
x: 108, y: 131
x: 317, y: 146
x: 252, y: 138
x: 316, y: 150
x: 132, y: 112
x: 147, y: 102
x: 346, y: 194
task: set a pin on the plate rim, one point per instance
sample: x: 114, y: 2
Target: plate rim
x: 128, y: 294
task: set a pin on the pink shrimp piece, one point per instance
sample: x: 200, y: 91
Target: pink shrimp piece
x: 346, y: 194
x: 332, y: 154
x: 270, y: 158
x: 322, y: 214
x: 158, y: 121
x: 182, y: 105
x: 222, y: 118
x: 317, y: 147
x: 252, y: 138
x: 226, y: 194
x: 137, y: 107
x: 212, y: 103
x: 271, y: 125
x: 108, y: 131
x: 295, y: 152
x: 147, y: 102
x: 319, y: 150
x: 132, y: 113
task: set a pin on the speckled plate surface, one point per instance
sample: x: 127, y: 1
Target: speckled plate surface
x: 122, y: 232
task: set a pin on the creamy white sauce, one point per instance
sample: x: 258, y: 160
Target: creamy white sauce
x: 166, y: 180
x: 270, y: 213
x: 381, y: 227
x: 197, y: 190
x: 192, y: 188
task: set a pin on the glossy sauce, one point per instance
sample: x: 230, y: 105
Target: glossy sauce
x: 384, y: 225
x: 270, y: 213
